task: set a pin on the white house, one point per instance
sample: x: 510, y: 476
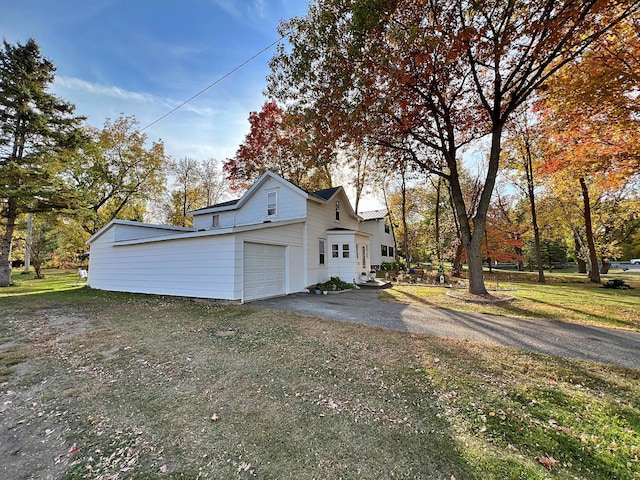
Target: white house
x: 274, y: 240
x: 382, y: 242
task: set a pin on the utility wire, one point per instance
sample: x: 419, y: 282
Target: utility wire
x: 229, y: 73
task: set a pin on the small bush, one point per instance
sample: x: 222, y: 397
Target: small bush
x: 335, y: 284
x: 617, y: 284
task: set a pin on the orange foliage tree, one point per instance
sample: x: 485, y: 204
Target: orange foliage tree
x: 591, y: 115
x: 278, y: 142
x: 428, y: 78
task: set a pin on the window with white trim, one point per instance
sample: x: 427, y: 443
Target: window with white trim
x: 272, y: 203
x: 335, y: 253
x: 321, y: 251
x: 383, y: 250
x: 345, y: 250
x: 337, y: 210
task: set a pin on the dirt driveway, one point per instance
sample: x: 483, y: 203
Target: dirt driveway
x: 605, y: 345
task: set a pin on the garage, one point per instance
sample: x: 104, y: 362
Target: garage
x: 263, y: 271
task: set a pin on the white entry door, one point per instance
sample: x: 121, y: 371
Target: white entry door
x: 264, y: 271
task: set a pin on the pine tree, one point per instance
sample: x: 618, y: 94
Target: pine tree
x: 36, y: 130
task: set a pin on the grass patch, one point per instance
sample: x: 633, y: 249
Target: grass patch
x: 567, y: 302
x: 154, y: 387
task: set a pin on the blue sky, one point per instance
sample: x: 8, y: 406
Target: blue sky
x: 144, y: 58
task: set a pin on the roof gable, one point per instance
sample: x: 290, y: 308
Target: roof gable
x: 236, y: 204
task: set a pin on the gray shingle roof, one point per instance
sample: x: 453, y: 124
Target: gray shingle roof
x: 374, y: 214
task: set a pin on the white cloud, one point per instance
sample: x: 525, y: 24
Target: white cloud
x: 70, y: 83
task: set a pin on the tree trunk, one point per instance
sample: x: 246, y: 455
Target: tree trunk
x: 5, y: 246
x: 405, y: 239
x: 594, y: 272
x: 472, y: 239
x: 534, y: 215
x: 582, y: 265
x: 437, y: 220
x: 456, y: 266
x: 606, y: 265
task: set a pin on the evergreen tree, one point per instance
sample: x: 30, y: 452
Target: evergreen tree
x: 36, y: 131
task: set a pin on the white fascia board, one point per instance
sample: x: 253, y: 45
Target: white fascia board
x: 132, y: 223
x: 209, y: 233
x: 204, y: 211
x: 266, y: 175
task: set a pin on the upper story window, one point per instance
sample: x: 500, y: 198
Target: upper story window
x: 321, y: 251
x: 272, y: 204
x: 337, y: 210
x: 386, y: 227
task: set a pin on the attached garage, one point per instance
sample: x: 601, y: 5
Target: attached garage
x: 264, y: 271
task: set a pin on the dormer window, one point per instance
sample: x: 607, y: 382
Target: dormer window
x: 386, y: 227
x: 272, y: 204
x: 215, y: 221
x: 337, y: 210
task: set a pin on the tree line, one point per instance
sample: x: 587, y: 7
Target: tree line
x: 501, y: 131
x: 62, y: 180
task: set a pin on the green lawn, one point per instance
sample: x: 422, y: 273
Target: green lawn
x: 558, y: 300
x: 150, y: 387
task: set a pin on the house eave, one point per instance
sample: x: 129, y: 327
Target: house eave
x: 132, y: 223
x: 209, y: 233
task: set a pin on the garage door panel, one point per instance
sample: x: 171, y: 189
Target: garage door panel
x: 263, y: 271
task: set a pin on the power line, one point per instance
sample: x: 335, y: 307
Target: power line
x: 229, y: 73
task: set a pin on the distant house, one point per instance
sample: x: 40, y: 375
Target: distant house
x: 383, y: 244
x: 274, y: 240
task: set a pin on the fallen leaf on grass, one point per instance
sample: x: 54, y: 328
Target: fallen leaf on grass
x: 73, y: 450
x: 548, y: 462
x: 164, y: 468
x: 244, y: 467
x: 215, y: 417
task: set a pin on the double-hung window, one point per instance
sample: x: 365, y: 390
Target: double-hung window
x: 345, y: 250
x: 321, y: 251
x: 272, y: 203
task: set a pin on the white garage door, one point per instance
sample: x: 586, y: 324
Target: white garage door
x: 264, y: 271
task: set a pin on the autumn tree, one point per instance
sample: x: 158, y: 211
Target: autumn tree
x: 212, y: 182
x: 37, y: 132
x: 430, y: 77
x: 278, y: 142
x: 195, y: 185
x: 524, y: 150
x: 117, y: 174
x: 504, y: 237
x: 44, y: 240
x: 590, y: 112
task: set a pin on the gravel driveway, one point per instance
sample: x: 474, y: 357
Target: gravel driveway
x: 606, y: 345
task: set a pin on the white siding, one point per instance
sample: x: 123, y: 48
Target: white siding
x: 379, y: 238
x: 209, y: 266
x: 320, y: 218
x: 291, y: 205
x: 192, y: 267
x: 348, y: 269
